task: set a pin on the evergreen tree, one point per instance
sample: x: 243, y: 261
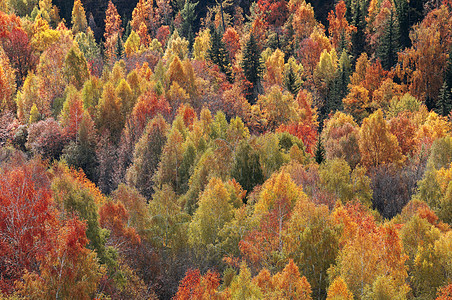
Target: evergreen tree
x: 127, y: 32
x: 448, y: 72
x: 319, y: 151
x: 246, y: 168
x: 444, y: 104
x: 252, y: 67
x: 292, y: 81
x: 389, y: 45
x: 188, y: 14
x: 358, y: 37
x: 402, y: 20
x: 340, y: 85
x: 119, y: 47
x: 218, y: 53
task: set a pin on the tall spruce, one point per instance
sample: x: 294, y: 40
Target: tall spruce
x: 444, y: 103
x: 188, y: 14
x: 252, y: 68
x: 358, y: 37
x: 340, y: 85
x: 218, y: 53
x: 389, y: 45
x: 292, y: 81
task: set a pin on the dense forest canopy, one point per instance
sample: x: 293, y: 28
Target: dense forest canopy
x: 226, y: 149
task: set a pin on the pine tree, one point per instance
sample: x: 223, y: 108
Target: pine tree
x: 252, y: 67
x: 403, y: 21
x: 188, y: 14
x: 340, y: 85
x: 218, y: 53
x: 127, y: 32
x: 358, y: 37
x: 444, y: 104
x: 119, y: 48
x: 319, y: 152
x: 292, y: 81
x: 448, y: 72
x: 387, y: 50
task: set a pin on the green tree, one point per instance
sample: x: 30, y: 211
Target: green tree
x: 252, y: 67
x: 218, y: 54
x: 188, y: 14
x: 147, y: 156
x: 246, y: 168
x: 75, y: 67
x: 389, y: 44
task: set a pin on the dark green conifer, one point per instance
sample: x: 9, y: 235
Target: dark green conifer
x: 389, y: 44
x: 252, y: 67
x: 218, y: 53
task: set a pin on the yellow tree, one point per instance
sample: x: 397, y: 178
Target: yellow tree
x: 79, y: 23
x: 340, y: 138
x: 275, y: 68
x: 7, y: 83
x: 377, y: 144
x: 338, y: 290
x: 278, y: 107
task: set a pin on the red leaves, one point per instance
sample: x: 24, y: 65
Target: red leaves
x: 25, y: 217
x: 304, y: 132
x: 114, y: 216
x: 148, y: 106
x: 195, y: 286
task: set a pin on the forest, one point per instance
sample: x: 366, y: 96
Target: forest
x: 226, y: 149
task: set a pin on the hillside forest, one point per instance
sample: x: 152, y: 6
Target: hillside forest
x: 225, y: 149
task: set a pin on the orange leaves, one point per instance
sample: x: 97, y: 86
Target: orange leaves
x: 141, y: 15
x: 303, y: 18
x: 422, y: 65
x: 67, y: 269
x: 358, y: 263
x: 231, y: 40
x: 290, y: 285
x: 339, y: 29
x: 445, y: 293
x: 148, y: 106
x: 112, y: 22
x: 113, y: 29
x: 114, y: 216
x: 195, y: 286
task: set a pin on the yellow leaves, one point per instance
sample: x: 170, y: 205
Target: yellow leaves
x: 176, y: 46
x: 43, y: 36
x: 357, y: 102
x: 214, y: 211
x: 275, y: 68
x: 303, y: 19
x: 278, y: 107
x: 202, y: 45
x: 132, y: 44
x: 79, y: 23
x: 338, y: 290
x: 279, y: 187
x: 435, y: 127
x: 7, y: 83
x: 376, y: 144
x: 325, y: 71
